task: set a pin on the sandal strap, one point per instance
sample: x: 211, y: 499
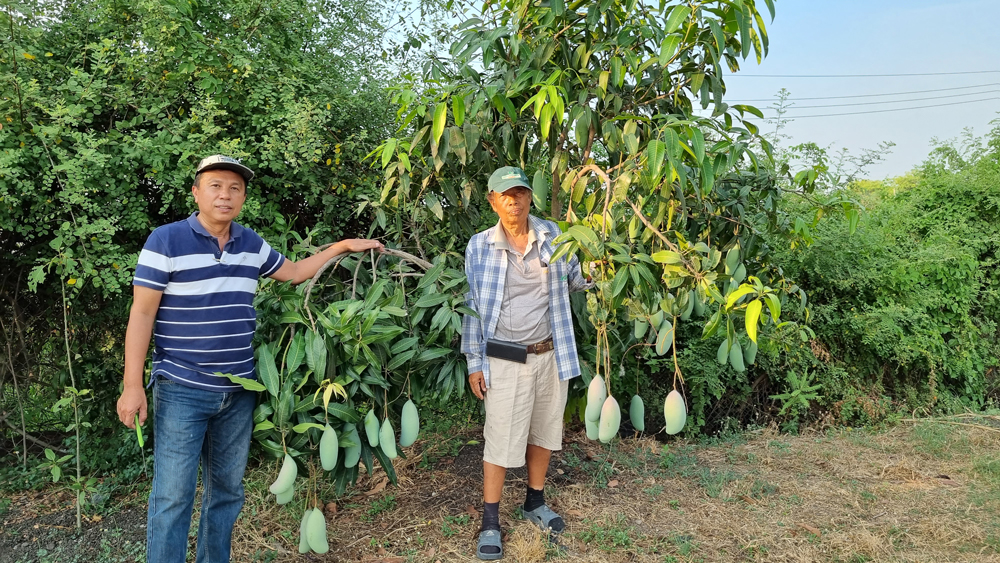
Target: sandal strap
x: 543, y: 516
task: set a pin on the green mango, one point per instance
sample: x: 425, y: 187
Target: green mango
x: 597, y: 392
x: 409, y: 425
x: 611, y: 420
x: 640, y: 328
x: 637, y: 413
x: 328, y: 448
x: 665, y: 337
x: 723, y: 352
x: 352, y: 453
x: 750, y: 353
x: 387, y: 439
x: 674, y: 412
x: 736, y: 356
x: 371, y: 428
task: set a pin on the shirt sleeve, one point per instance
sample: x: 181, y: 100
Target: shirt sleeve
x: 472, y: 328
x: 153, y: 267
x: 271, y: 259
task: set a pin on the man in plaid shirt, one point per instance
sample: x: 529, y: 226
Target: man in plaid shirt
x: 521, y: 350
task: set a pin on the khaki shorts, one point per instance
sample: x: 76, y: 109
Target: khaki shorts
x: 524, y: 405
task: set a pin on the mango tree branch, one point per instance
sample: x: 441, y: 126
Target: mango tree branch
x: 665, y: 240
x: 424, y: 264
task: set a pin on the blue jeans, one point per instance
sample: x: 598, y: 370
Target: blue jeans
x: 193, y: 424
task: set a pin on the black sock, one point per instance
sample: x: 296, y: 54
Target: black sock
x: 491, y: 516
x: 534, y: 499
x: 491, y: 521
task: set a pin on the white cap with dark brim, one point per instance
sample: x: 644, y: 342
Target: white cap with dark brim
x: 222, y: 162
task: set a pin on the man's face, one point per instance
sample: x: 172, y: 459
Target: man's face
x: 512, y: 205
x: 220, y: 195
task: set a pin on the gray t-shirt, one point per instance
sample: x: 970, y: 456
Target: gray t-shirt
x: 524, y: 311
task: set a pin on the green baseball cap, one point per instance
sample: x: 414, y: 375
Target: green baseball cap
x: 508, y: 177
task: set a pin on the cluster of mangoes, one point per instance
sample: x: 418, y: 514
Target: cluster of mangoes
x: 312, y: 530
x: 603, y: 415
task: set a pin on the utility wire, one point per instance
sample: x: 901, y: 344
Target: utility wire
x: 861, y: 75
x: 773, y: 99
x: 893, y: 101
x: 792, y: 117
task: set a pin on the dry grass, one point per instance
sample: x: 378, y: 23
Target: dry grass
x: 921, y: 492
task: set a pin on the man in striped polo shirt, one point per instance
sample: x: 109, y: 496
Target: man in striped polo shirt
x: 193, y: 293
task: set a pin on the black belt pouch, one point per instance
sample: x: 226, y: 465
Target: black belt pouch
x: 507, y: 351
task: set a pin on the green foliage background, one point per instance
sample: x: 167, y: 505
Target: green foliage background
x: 106, y: 108
x: 905, y: 311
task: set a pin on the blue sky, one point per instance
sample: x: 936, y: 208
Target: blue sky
x: 879, y: 37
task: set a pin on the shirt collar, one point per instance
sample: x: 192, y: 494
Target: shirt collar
x: 500, y: 239
x: 235, y: 229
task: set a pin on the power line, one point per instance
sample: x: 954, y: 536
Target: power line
x: 862, y: 75
x: 789, y: 108
x: 793, y: 117
x: 875, y: 95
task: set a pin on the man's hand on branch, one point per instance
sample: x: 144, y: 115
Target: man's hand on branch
x: 361, y: 245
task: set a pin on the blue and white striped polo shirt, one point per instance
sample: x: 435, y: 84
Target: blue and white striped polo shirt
x: 206, y: 319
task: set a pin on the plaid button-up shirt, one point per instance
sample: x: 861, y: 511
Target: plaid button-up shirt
x: 486, y: 270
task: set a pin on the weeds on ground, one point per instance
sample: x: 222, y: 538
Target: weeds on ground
x: 452, y: 525
x: 938, y: 441
x: 379, y: 506
x: 608, y: 535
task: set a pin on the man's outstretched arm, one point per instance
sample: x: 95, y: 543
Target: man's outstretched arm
x: 306, y: 268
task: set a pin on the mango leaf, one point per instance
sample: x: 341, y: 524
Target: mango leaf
x: 343, y: 412
x: 752, y: 316
x: 667, y: 257
x: 268, y: 371
x: 248, y: 384
x: 296, y: 353
x: 316, y: 354
x: 734, y: 296
x: 852, y: 220
x: 545, y: 120
x: 458, y: 109
x: 676, y: 18
x: 387, y: 151
x: 668, y: 48
x: 433, y: 354
x: 587, y: 238
x: 773, y: 305
x: 431, y: 300
x: 440, y: 117
x: 712, y: 325
x: 290, y: 317
x: 301, y: 428
x: 618, y: 284
x: 655, y: 152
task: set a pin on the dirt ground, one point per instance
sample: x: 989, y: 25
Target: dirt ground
x: 923, y: 491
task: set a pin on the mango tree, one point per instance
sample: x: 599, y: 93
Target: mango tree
x: 616, y: 109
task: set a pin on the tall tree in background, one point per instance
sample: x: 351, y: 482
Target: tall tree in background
x: 616, y: 108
